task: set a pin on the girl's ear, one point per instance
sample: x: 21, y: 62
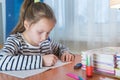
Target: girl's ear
x: 26, y: 25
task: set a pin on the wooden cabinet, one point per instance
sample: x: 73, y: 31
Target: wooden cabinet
x: 115, y: 3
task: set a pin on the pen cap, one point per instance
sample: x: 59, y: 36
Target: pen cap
x: 89, y: 60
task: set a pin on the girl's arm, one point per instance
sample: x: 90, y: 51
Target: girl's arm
x: 10, y: 59
x: 20, y: 62
x: 62, y: 52
x: 58, y: 49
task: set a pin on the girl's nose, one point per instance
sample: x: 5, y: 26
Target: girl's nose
x: 44, y: 37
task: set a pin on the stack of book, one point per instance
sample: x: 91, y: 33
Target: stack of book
x: 117, y: 69
x: 104, y: 60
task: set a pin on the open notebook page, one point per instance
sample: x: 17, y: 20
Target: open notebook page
x: 28, y: 73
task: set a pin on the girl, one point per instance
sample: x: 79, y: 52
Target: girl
x: 29, y: 45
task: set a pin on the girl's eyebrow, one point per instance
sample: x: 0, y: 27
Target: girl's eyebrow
x: 44, y: 31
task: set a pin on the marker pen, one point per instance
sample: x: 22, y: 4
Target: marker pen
x: 89, y: 66
x: 74, y: 76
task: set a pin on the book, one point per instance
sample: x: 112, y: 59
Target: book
x: 105, y: 59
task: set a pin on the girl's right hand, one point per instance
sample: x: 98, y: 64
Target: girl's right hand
x: 49, y: 60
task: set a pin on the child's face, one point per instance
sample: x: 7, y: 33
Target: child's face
x: 39, y: 31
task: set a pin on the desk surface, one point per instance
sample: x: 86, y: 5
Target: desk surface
x: 59, y: 73
x: 0, y: 46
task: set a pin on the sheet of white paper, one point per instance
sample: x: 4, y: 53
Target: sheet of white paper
x: 27, y: 73
x: 105, y: 78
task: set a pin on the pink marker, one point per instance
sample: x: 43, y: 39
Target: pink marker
x: 74, y: 76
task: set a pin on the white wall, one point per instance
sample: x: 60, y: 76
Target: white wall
x: 2, y: 21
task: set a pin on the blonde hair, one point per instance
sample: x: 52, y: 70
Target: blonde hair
x: 33, y: 12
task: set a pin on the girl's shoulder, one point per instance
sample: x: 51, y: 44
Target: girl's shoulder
x: 17, y: 37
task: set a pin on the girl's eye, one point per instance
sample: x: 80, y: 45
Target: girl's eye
x: 48, y: 33
x: 39, y: 32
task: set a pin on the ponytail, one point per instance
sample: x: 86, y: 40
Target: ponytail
x: 20, y: 25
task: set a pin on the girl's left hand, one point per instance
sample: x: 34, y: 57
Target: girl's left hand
x: 66, y: 57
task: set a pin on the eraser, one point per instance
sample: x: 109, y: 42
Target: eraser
x: 78, y: 65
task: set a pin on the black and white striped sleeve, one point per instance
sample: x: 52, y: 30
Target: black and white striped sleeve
x: 10, y: 61
x: 20, y: 62
x: 58, y: 48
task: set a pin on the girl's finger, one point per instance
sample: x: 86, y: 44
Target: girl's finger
x: 63, y: 58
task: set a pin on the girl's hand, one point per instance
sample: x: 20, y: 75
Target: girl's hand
x: 49, y: 60
x: 66, y: 57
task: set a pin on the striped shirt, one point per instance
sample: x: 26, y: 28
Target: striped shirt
x: 17, y: 54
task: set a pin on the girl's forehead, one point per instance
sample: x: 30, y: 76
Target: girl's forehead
x: 44, y: 24
x: 46, y: 20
